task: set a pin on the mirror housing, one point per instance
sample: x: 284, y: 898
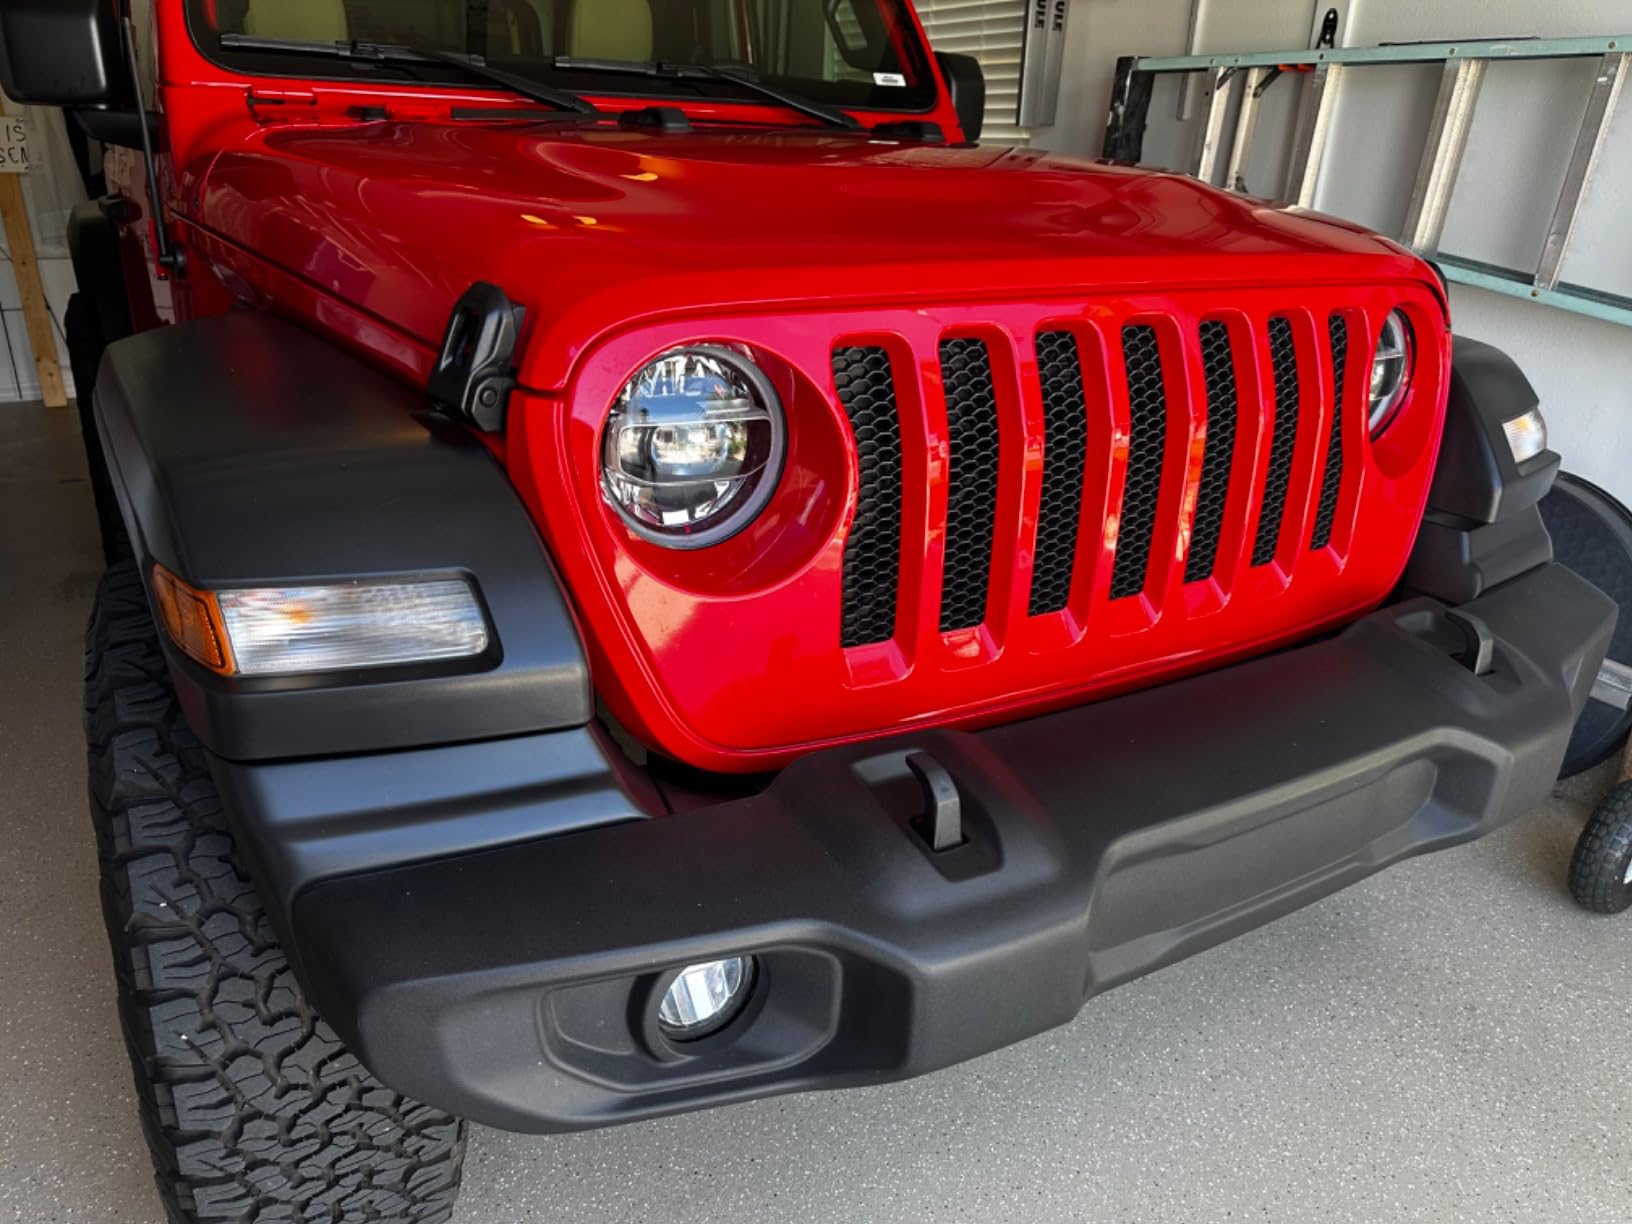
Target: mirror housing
x: 62, y: 53
x: 967, y: 84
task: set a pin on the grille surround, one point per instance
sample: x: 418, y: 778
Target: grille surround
x: 729, y: 658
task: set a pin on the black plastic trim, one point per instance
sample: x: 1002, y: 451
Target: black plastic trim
x: 520, y: 997
x: 247, y: 452
x: 1476, y: 478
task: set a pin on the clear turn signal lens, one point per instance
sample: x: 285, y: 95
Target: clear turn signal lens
x: 345, y: 626
x: 1526, y: 435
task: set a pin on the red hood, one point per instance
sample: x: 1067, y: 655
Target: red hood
x: 590, y: 228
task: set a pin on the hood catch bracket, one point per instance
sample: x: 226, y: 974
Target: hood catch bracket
x: 475, y: 370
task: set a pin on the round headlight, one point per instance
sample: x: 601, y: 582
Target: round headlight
x: 693, y: 447
x: 1391, y: 370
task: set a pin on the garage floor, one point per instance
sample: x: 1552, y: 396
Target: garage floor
x: 1445, y: 1042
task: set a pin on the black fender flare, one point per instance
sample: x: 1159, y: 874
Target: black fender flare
x: 245, y: 451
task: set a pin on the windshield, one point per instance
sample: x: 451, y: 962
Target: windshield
x: 863, y: 54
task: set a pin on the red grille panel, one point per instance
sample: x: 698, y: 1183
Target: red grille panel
x: 1214, y: 502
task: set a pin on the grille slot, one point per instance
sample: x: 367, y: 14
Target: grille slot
x: 1147, y: 404
x: 872, y: 553
x: 1332, y: 484
x: 1284, y: 361
x: 971, y: 509
x: 1065, y: 443
x: 1223, y: 406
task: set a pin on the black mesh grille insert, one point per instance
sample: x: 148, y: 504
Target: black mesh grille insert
x: 1284, y: 358
x: 1065, y: 441
x: 1332, y: 483
x: 971, y: 501
x: 1147, y: 403
x: 1223, y: 405
x: 872, y: 554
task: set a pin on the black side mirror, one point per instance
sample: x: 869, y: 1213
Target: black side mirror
x: 967, y: 83
x: 62, y: 53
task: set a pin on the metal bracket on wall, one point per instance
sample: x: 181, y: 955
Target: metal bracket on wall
x: 1464, y: 65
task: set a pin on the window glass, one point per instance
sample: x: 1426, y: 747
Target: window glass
x: 860, y: 53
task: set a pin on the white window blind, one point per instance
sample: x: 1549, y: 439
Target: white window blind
x: 994, y: 32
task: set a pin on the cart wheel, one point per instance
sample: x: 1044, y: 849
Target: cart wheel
x: 1601, y: 871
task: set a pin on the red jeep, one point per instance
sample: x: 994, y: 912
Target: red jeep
x: 652, y: 570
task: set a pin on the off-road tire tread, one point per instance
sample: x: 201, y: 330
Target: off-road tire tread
x: 1598, y: 869
x: 253, y: 1109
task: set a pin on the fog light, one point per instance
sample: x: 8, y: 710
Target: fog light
x: 705, y: 998
x: 1526, y: 435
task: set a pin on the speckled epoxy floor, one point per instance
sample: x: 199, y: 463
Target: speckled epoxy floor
x: 1446, y: 1041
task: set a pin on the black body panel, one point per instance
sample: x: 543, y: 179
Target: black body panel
x: 1102, y: 843
x: 247, y: 452
x: 1482, y: 527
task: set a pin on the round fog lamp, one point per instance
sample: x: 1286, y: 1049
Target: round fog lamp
x: 705, y: 998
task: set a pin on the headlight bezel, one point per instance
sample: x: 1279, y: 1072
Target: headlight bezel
x: 740, y: 510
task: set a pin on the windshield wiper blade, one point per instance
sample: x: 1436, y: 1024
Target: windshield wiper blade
x: 710, y: 72
x: 400, y: 53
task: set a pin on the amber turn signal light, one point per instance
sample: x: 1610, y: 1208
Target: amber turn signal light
x: 192, y: 618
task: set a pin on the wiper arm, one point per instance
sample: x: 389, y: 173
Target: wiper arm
x: 710, y: 72
x: 398, y: 53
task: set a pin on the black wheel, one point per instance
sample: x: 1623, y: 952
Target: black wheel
x: 253, y: 1109
x: 1601, y: 871
x: 1592, y: 535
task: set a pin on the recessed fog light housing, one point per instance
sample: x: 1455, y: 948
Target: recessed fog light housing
x: 705, y: 997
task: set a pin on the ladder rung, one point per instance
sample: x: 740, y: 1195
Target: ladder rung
x: 1442, y: 155
x: 1589, y: 143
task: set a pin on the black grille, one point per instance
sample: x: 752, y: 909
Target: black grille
x: 1065, y: 442
x: 1223, y: 404
x: 872, y: 554
x: 1332, y: 483
x: 1147, y: 403
x: 1284, y: 358
x: 971, y: 497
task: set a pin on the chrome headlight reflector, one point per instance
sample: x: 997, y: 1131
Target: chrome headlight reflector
x: 344, y: 626
x: 1391, y: 369
x: 693, y: 447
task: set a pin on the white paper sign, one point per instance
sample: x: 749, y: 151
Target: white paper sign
x: 13, y: 145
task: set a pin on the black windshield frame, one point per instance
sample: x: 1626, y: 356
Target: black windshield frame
x: 919, y: 96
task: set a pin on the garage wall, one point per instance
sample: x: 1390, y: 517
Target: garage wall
x: 1527, y: 118
x: 51, y: 190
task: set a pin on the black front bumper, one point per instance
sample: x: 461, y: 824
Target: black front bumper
x: 516, y: 985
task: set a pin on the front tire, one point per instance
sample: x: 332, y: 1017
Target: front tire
x: 253, y: 1109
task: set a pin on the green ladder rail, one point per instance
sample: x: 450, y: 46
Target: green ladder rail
x: 1463, y: 65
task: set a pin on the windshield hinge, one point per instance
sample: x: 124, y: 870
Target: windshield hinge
x: 272, y: 103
